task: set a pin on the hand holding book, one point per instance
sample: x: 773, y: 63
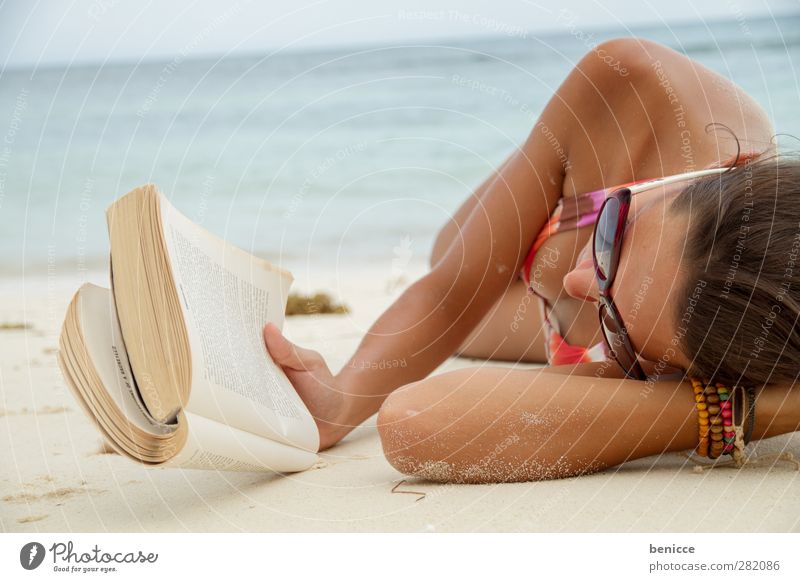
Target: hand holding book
x: 171, y: 364
x: 314, y: 382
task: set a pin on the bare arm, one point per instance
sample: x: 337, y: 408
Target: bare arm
x: 453, y: 227
x: 437, y: 313
x: 428, y: 322
x: 434, y: 316
x: 496, y: 424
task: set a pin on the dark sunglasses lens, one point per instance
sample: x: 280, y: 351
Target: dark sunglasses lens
x: 616, y: 339
x: 604, y: 234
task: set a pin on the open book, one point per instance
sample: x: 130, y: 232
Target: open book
x: 170, y: 363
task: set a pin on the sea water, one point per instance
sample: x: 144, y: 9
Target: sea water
x: 324, y: 158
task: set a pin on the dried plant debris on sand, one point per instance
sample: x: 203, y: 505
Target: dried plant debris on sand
x: 14, y: 325
x: 396, y: 489
x: 318, y: 303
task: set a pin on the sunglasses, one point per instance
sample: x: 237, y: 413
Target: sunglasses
x: 606, y: 246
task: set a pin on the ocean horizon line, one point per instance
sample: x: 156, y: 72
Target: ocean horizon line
x: 432, y: 42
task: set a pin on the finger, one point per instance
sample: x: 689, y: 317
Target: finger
x: 285, y: 353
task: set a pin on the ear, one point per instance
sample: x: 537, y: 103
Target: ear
x: 581, y: 284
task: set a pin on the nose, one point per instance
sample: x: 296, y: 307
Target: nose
x: 581, y: 283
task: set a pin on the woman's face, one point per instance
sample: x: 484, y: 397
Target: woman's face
x: 648, y: 284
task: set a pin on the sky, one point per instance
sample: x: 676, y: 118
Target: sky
x: 48, y: 32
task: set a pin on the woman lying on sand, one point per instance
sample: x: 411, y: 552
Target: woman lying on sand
x: 698, y: 274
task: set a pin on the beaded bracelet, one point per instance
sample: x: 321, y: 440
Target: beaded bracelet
x: 727, y: 405
x: 726, y: 417
x: 715, y: 417
x: 702, y: 417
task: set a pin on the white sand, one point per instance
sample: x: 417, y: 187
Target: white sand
x: 54, y: 476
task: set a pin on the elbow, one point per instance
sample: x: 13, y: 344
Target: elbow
x: 406, y: 437
x: 433, y: 430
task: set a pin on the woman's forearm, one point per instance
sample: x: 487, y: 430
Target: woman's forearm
x: 436, y: 314
x: 777, y: 411
x: 525, y: 425
x: 420, y: 330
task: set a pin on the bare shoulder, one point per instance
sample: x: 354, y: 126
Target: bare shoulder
x: 681, y: 99
x: 694, y: 94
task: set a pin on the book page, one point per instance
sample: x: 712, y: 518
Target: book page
x: 103, y: 339
x: 227, y: 296
x: 213, y: 445
x: 209, y: 444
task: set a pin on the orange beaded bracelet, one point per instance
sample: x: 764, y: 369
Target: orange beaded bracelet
x: 715, y: 420
x: 702, y: 417
x: 725, y: 419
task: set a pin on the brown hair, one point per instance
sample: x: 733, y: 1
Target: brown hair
x: 740, y: 298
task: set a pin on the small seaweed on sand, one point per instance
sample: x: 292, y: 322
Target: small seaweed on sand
x: 420, y: 494
x: 300, y: 304
x: 14, y: 325
x: 32, y: 518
